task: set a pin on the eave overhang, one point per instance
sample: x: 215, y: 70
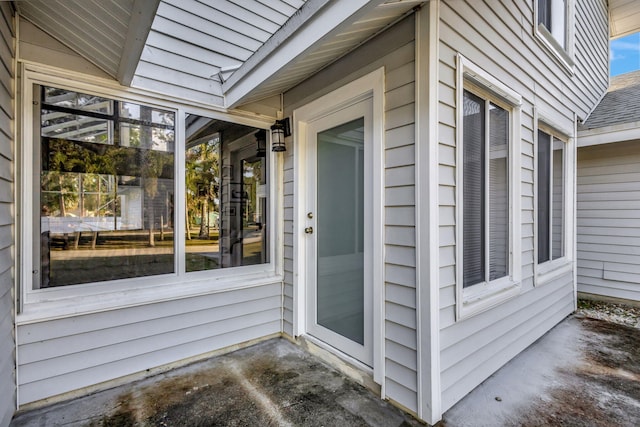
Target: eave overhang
x: 318, y: 34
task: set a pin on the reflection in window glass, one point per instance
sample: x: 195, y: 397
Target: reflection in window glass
x: 226, y: 195
x: 106, y: 204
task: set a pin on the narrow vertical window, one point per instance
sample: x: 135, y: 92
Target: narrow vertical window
x: 473, y: 189
x: 486, y: 128
x: 226, y: 195
x: 550, y: 179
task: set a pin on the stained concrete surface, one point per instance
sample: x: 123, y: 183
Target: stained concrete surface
x: 274, y: 383
x: 584, y: 372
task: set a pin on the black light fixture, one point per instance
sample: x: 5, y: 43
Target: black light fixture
x: 261, y: 139
x: 280, y: 130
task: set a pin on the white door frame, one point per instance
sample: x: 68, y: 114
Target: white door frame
x: 368, y: 86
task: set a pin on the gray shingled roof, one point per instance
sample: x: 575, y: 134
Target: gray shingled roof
x: 620, y: 105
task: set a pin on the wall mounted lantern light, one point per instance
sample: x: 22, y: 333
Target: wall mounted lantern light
x: 280, y: 130
x: 261, y: 139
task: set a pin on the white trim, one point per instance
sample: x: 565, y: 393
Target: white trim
x: 427, y: 209
x: 370, y: 85
x: 609, y: 134
x: 573, y: 225
x: 63, y: 78
x: 43, y: 304
x: 483, y: 296
x: 550, y: 270
x: 468, y: 70
x: 316, y: 20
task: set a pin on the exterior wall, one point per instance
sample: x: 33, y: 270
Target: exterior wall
x: 609, y: 220
x: 7, y: 345
x: 67, y: 354
x: 500, y: 39
x: 393, y: 49
x: 76, y: 352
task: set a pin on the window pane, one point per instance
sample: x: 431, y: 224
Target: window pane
x: 498, y: 192
x: 77, y: 101
x: 473, y: 189
x: 145, y: 114
x: 148, y: 137
x: 226, y: 195
x: 544, y: 13
x: 58, y: 124
x: 558, y: 201
x: 544, y: 195
x: 106, y: 211
x: 558, y: 21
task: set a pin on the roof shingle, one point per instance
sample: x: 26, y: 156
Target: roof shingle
x: 620, y: 105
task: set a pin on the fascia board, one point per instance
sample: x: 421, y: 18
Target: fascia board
x: 315, y: 21
x: 609, y: 134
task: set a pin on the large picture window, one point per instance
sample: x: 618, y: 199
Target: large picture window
x: 105, y: 176
x: 550, y: 176
x: 485, y: 145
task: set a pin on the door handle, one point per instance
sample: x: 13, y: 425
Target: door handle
x: 308, y: 230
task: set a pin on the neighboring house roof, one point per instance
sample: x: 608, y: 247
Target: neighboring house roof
x: 617, y: 116
x: 621, y: 104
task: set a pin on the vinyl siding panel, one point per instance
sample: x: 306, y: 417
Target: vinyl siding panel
x: 499, y: 38
x: 67, y: 354
x: 609, y: 220
x: 191, y: 41
x: 393, y: 49
x: 7, y: 343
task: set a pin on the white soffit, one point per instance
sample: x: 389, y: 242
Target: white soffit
x: 108, y: 33
x: 624, y: 17
x: 319, y: 34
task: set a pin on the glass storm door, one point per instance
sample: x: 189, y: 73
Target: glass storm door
x: 339, y: 310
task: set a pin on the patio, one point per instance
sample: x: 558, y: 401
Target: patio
x: 584, y: 372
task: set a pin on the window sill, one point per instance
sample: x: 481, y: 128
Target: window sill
x: 560, y: 55
x: 56, y: 303
x: 481, y: 297
x: 551, y: 270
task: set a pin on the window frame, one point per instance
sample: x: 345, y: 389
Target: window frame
x: 551, y: 269
x: 485, y: 295
x: 56, y: 302
x: 562, y: 55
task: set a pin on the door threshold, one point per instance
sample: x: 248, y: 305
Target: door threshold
x: 347, y: 365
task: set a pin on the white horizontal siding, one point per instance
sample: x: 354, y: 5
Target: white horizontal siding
x: 68, y: 354
x: 609, y: 220
x: 191, y: 40
x: 499, y: 37
x: 393, y: 49
x: 7, y: 344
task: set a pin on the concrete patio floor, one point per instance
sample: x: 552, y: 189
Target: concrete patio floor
x: 584, y: 372
x: 273, y: 383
